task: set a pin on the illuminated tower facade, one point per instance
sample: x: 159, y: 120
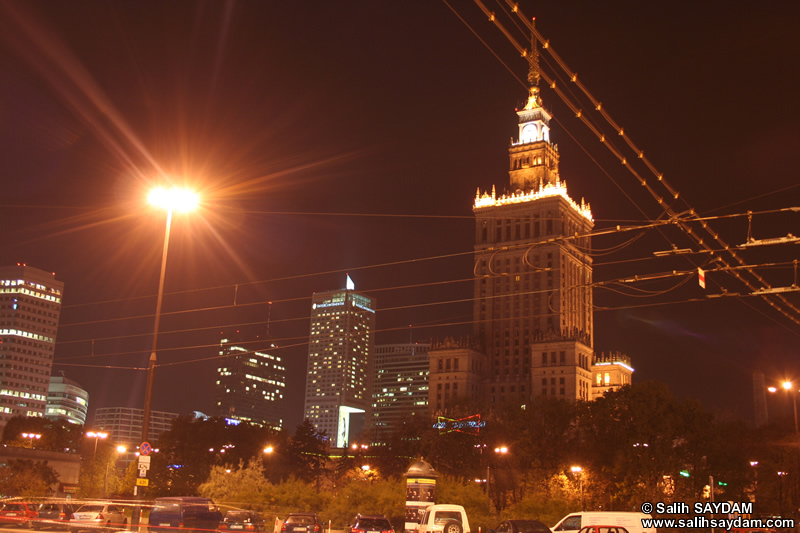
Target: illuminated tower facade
x: 250, y: 382
x: 340, y: 363
x: 533, y: 272
x: 30, y: 305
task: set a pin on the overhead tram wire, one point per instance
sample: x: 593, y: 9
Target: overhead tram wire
x: 543, y: 242
x: 795, y: 316
x: 306, y: 339
x: 607, y: 284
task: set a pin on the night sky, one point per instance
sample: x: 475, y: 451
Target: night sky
x: 332, y: 137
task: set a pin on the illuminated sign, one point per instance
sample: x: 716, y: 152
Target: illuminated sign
x: 470, y: 424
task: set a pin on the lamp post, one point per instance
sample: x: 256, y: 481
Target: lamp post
x: 170, y: 200
x: 578, y: 471
x: 30, y: 437
x: 120, y: 449
x: 96, y: 435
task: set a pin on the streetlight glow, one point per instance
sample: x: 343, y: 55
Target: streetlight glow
x: 576, y: 469
x: 121, y: 449
x: 182, y: 200
x: 269, y: 449
x: 787, y: 385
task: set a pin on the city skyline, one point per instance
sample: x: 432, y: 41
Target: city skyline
x: 401, y: 113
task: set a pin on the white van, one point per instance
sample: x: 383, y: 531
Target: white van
x: 572, y: 523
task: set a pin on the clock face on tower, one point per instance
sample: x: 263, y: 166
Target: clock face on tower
x: 529, y: 132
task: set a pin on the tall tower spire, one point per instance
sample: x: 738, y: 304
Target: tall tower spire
x: 534, y: 100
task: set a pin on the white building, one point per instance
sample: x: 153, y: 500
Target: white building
x: 30, y: 305
x: 340, y: 351
x: 124, y: 424
x: 66, y: 400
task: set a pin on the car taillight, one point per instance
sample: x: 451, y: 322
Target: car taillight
x: 72, y: 516
x: 62, y: 515
x: 249, y: 527
x: 99, y: 516
x: 316, y: 527
x: 180, y: 525
x: 223, y: 526
x: 283, y: 526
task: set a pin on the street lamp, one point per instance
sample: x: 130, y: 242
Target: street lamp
x: 30, y: 438
x: 578, y: 471
x: 170, y: 200
x: 96, y: 435
x: 788, y: 387
x: 120, y: 449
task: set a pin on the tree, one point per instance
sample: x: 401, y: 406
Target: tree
x: 56, y: 435
x: 308, y: 452
x: 245, y: 485
x: 27, y: 479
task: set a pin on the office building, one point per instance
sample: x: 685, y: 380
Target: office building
x: 250, y: 382
x: 66, y: 400
x: 399, y: 387
x: 30, y: 305
x: 124, y: 424
x: 340, y: 351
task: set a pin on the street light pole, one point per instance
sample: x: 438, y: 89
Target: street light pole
x: 170, y: 200
x: 151, y: 367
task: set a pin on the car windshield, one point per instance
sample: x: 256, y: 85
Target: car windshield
x: 13, y: 507
x: 301, y: 519
x: 238, y: 516
x: 90, y: 509
x: 374, y: 523
x: 167, y: 507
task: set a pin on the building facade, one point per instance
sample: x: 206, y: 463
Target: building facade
x: 338, y: 393
x: 30, y: 305
x: 457, y: 373
x: 399, y: 388
x: 124, y: 424
x: 66, y: 400
x: 532, y: 291
x: 611, y: 371
x: 250, y: 383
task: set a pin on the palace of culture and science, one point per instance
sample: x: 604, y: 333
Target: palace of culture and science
x: 533, y: 331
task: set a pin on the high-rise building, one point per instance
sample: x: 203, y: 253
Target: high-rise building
x: 399, y: 387
x: 340, y: 351
x: 30, y: 305
x: 533, y: 273
x: 250, y: 382
x: 533, y: 277
x: 66, y: 400
x: 124, y: 424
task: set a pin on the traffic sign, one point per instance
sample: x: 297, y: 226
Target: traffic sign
x: 145, y: 448
x: 142, y: 482
x: 143, y: 470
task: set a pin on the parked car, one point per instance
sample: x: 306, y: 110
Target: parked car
x: 521, y: 526
x: 370, y: 523
x: 603, y: 529
x: 243, y: 521
x: 191, y: 513
x: 53, y: 515
x: 301, y: 522
x: 95, y: 516
x: 17, y: 514
x: 632, y: 522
